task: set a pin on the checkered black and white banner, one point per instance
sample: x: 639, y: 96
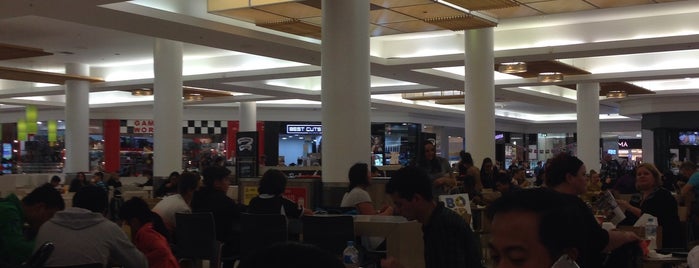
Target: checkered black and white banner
x: 204, y: 127
x: 188, y: 127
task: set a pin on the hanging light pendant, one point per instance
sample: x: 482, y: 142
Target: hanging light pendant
x: 616, y: 94
x: 512, y: 67
x: 550, y: 77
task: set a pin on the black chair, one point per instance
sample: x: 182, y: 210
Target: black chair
x: 259, y: 231
x: 91, y: 265
x: 195, y: 237
x: 329, y: 232
x: 39, y: 257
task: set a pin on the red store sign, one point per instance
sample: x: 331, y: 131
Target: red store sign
x: 142, y: 126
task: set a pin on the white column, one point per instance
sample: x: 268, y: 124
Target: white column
x: 345, y: 91
x: 167, y: 108
x: 248, y: 116
x: 588, y: 125
x: 647, y: 142
x: 479, y: 95
x: 77, y: 133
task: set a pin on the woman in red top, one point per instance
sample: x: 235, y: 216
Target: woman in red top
x: 148, y: 233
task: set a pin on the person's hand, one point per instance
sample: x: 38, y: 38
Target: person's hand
x: 608, y: 181
x: 391, y: 262
x: 386, y: 210
x: 623, y: 204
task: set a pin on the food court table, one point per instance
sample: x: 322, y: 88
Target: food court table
x: 403, y: 237
x: 660, y: 262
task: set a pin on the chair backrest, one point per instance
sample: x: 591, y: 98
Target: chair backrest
x: 259, y: 231
x: 329, y: 232
x: 90, y: 265
x: 195, y: 236
x: 39, y: 257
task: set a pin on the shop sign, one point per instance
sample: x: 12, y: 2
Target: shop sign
x: 304, y: 129
x: 295, y: 194
x: 630, y: 143
x: 142, y: 126
x: 249, y: 192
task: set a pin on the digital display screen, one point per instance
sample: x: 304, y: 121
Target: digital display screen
x: 7, y: 151
x: 378, y: 160
x: 688, y: 138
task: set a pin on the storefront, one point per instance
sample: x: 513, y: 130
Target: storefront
x: 630, y: 150
x: 300, y: 144
x: 395, y: 143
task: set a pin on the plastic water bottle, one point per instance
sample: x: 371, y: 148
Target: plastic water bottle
x: 350, y: 256
x: 651, y: 232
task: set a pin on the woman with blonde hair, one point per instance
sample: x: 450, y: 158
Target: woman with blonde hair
x: 595, y: 184
x: 656, y: 201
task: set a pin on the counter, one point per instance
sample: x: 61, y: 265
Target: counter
x: 306, y: 191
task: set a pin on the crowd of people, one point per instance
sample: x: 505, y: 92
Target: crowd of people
x: 535, y: 222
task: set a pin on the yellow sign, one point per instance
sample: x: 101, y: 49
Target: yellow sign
x: 248, y: 193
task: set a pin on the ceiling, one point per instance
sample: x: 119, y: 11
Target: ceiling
x: 645, y: 45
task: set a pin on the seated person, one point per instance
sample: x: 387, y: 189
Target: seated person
x: 532, y: 228
x: 78, y: 182
x: 504, y: 184
x: 16, y: 243
x: 113, y: 181
x: 212, y: 198
x: 519, y: 177
x: 595, y: 184
x: 98, y: 180
x: 114, y: 184
x: 166, y: 208
x: 448, y: 240
x: 148, y: 233
x: 566, y: 174
x: 357, y: 196
x: 168, y: 187
x: 55, y: 183
x: 656, y: 201
x: 82, y: 235
x: 270, y: 199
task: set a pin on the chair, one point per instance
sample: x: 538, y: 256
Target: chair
x: 39, y: 257
x: 91, y: 265
x: 195, y: 238
x: 259, y: 231
x: 329, y: 232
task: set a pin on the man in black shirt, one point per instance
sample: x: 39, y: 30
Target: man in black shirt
x: 449, y: 241
x: 212, y: 198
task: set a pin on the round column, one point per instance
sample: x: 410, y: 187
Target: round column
x: 345, y: 95
x: 248, y: 116
x: 167, y: 108
x: 479, y: 95
x: 588, y: 125
x: 77, y: 114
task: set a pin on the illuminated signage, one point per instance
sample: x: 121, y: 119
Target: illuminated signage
x: 499, y: 136
x: 304, y: 129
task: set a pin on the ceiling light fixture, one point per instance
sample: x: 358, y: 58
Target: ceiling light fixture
x: 617, y: 94
x: 193, y: 97
x: 142, y: 92
x: 550, y: 77
x: 512, y: 67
